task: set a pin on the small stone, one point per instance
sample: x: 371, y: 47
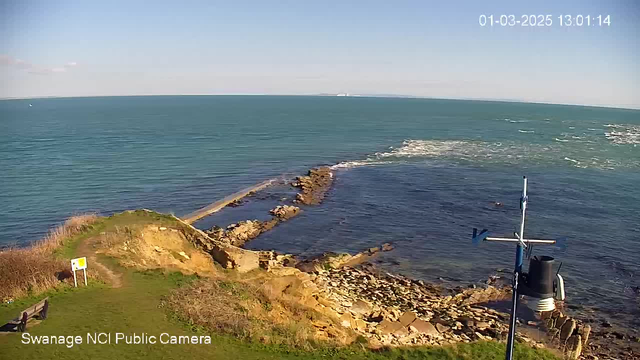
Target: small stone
x: 442, y: 328
x: 184, y: 255
x: 162, y: 228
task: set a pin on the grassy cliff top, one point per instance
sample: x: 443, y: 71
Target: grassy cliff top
x: 137, y: 273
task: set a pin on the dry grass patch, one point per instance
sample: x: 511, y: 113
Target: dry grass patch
x: 249, y: 311
x: 72, y: 226
x: 36, y: 269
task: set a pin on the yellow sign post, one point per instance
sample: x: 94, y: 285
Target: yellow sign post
x: 79, y: 264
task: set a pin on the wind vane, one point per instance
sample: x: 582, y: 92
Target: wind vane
x: 538, y: 284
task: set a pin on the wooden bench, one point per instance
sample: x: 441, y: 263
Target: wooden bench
x: 40, y: 310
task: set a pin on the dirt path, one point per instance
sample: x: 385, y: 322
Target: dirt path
x: 87, y: 248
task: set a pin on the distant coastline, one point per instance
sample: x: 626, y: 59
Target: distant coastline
x: 350, y: 95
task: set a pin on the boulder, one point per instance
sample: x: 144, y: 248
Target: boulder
x: 388, y: 326
x: 361, y: 307
x: 285, y: 212
x: 231, y: 257
x: 425, y: 327
x: 407, y: 318
x: 387, y: 247
x: 567, y: 329
x: 584, y: 331
x: 403, y: 331
x: 574, y: 347
x: 560, y: 322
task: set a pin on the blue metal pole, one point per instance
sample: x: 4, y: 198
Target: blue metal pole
x: 514, y: 302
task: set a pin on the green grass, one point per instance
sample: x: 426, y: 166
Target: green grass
x: 137, y: 307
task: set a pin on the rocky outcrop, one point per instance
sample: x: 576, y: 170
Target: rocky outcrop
x: 240, y: 233
x: 332, y: 260
x: 580, y: 340
x: 228, y: 256
x: 231, y: 257
x: 313, y: 186
x: 236, y: 234
x: 285, y: 212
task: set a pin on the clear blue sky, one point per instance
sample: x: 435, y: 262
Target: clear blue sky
x: 420, y: 48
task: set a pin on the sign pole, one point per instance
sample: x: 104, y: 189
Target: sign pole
x: 75, y: 281
x: 85, y: 277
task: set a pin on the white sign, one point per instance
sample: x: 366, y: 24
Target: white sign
x: 79, y: 264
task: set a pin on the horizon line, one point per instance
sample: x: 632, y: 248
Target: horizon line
x: 387, y: 96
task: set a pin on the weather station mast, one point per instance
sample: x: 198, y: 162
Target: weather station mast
x: 540, y: 285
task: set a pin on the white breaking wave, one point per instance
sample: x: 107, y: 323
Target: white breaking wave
x: 494, y: 152
x: 526, y: 131
x: 623, y: 134
x: 469, y: 151
x: 357, y: 163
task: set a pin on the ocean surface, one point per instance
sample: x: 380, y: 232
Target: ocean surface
x: 419, y: 173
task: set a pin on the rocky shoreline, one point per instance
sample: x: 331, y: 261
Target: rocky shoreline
x: 313, y: 186
x: 393, y: 310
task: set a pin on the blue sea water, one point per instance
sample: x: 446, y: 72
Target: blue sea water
x: 416, y: 172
